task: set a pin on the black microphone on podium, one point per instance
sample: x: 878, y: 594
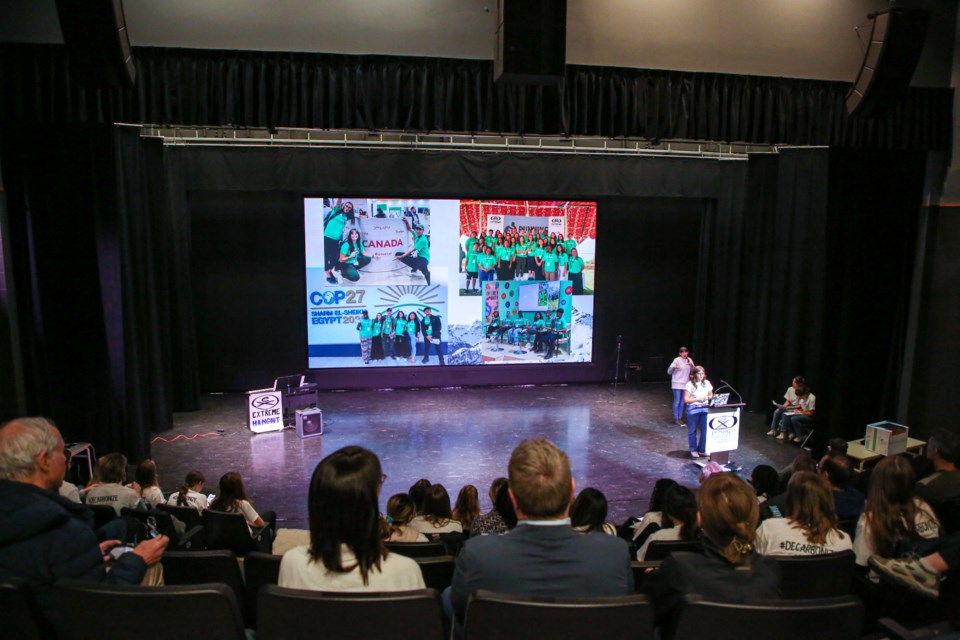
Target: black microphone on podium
x: 730, y: 386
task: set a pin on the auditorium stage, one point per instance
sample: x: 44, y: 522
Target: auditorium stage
x: 619, y: 442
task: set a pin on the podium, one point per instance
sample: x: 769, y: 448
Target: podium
x: 723, y: 433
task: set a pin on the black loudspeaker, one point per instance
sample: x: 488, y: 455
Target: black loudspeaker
x: 309, y: 422
x: 531, y: 41
x: 95, y: 32
x: 896, y: 41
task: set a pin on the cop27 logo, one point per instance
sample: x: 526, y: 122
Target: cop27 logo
x: 332, y: 297
x: 722, y: 423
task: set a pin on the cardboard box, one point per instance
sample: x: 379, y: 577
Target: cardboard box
x: 886, y: 438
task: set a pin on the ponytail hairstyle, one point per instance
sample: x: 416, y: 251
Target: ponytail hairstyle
x: 728, y: 516
x: 193, y: 479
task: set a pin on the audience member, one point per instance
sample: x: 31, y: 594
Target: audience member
x: 467, y: 508
x: 400, y: 512
x: 652, y: 520
x: 346, y: 551
x: 943, y: 450
x: 191, y: 493
x: 233, y: 498
x: 892, y: 513
x: 146, y: 477
x: 680, y: 513
x: 417, y: 492
x: 492, y: 521
x: 837, y: 447
x: 810, y: 527
x: 436, y: 516
x: 729, y: 570
x: 765, y: 482
x: 589, y: 513
x: 838, y: 470
x: 924, y: 567
x: 44, y: 537
x: 543, y: 555
x: 112, y: 473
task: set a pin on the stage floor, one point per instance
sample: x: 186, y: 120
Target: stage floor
x: 619, y: 442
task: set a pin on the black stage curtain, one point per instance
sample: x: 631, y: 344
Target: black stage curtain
x: 314, y: 90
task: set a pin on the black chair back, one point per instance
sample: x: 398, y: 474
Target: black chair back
x: 418, y: 549
x: 22, y: 619
x: 227, y: 531
x: 437, y: 571
x: 187, y: 515
x: 948, y: 512
x: 102, y: 514
x: 93, y: 611
x: 162, y: 521
x: 660, y: 549
x: 202, y: 567
x: 258, y: 569
x: 821, y: 618
x: 497, y: 616
x: 295, y: 614
x: 825, y: 576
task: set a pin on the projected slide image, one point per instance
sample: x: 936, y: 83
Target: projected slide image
x: 505, y: 282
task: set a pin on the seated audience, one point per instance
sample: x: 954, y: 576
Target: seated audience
x: 399, y: 514
x: 926, y: 565
x: 765, y: 482
x: 501, y: 518
x: 729, y: 570
x: 417, y: 492
x: 943, y: 450
x: 436, y: 517
x: 146, y: 477
x: 467, y: 508
x: 544, y: 555
x: 233, y: 498
x: 191, y: 493
x: 112, y: 473
x: 810, y: 527
x: 839, y: 473
x: 892, y: 514
x: 680, y: 513
x: 346, y: 551
x: 43, y: 537
x: 837, y: 447
x: 588, y: 514
x: 652, y: 520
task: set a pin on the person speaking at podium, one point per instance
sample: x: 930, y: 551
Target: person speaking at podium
x: 697, y: 396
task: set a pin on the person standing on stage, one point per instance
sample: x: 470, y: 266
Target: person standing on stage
x: 387, y: 336
x: 790, y: 403
x: 679, y: 372
x: 365, y: 327
x: 697, y: 395
x: 430, y: 328
x: 333, y: 225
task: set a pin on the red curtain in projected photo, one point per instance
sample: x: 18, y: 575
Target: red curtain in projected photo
x: 581, y: 216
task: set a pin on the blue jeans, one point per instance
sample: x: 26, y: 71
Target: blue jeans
x: 777, y: 416
x: 797, y: 424
x: 697, y: 421
x: 678, y: 404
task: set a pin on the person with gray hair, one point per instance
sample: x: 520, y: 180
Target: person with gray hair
x: 943, y: 450
x: 44, y: 537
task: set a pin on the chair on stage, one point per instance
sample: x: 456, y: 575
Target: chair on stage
x: 822, y: 618
x: 22, y: 619
x: 201, y: 567
x: 823, y: 576
x: 418, y: 549
x: 93, y: 611
x: 259, y: 569
x: 660, y: 549
x: 498, y: 616
x: 295, y: 614
x: 437, y: 571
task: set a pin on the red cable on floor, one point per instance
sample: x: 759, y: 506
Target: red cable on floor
x: 196, y: 435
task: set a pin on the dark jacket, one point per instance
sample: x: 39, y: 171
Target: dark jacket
x: 44, y: 537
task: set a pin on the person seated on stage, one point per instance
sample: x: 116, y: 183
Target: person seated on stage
x: 653, y: 519
x: 799, y: 421
x: 790, y: 403
x: 493, y: 521
x: 926, y: 565
x: 811, y: 525
x: 191, y: 493
x: 437, y: 517
x: 233, y: 498
x: 515, y: 334
x: 559, y: 330
x: 493, y: 323
x: 400, y: 512
x: 588, y: 514
x: 418, y: 493
x: 346, y: 550
x: 729, y: 570
x: 467, y: 508
x: 112, y: 472
x: 765, y: 482
x: 680, y: 513
x: 892, y: 514
x: 839, y: 473
x: 43, y: 537
x: 943, y: 450
x: 543, y: 556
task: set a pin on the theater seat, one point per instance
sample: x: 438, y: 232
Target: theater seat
x: 824, y: 576
x: 202, y: 567
x: 228, y: 531
x: 259, y: 569
x: 21, y: 618
x: 418, y: 549
x: 660, y: 549
x: 437, y: 571
x: 497, y: 616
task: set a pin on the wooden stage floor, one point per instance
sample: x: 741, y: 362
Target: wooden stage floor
x: 619, y: 442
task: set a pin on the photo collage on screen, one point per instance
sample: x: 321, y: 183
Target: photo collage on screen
x: 407, y: 282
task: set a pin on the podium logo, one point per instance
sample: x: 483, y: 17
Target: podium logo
x: 264, y: 402
x: 722, y: 423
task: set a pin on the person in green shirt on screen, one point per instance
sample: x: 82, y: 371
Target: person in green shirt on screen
x: 563, y: 260
x: 487, y: 262
x: 505, y: 261
x: 352, y: 256
x: 557, y: 331
x: 376, y: 347
x: 401, y: 343
x: 575, y: 269
x: 549, y: 265
x: 471, y: 266
x: 389, y: 345
x: 333, y: 224
x: 421, y: 245
x: 365, y: 327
